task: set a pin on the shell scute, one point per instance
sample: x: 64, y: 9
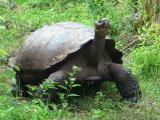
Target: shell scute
x: 51, y: 44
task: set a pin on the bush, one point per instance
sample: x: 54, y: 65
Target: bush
x: 145, y: 60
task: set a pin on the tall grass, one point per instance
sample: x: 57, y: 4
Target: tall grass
x: 151, y: 9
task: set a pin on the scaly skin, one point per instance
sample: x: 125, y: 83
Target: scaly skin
x: 125, y: 82
x: 102, y: 28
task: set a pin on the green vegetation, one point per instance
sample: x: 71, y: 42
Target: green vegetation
x: 20, y: 17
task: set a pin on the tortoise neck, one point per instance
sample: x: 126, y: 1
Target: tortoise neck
x: 97, y: 49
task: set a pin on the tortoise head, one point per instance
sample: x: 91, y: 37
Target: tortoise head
x: 102, y: 27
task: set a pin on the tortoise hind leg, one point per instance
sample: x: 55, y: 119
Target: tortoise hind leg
x: 125, y: 82
x: 19, y: 88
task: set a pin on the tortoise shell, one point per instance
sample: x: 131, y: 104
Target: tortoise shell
x: 50, y: 45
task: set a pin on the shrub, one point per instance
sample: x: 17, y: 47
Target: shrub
x: 145, y: 60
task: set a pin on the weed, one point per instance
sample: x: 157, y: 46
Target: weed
x: 3, y: 56
x: 146, y: 59
x: 53, y: 86
x: 69, y: 85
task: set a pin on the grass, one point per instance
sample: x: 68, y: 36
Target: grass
x: 25, y: 16
x: 21, y: 22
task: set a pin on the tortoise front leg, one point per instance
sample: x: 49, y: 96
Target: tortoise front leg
x: 125, y: 82
x: 86, y: 75
x: 58, y: 77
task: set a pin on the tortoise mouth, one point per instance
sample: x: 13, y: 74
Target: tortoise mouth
x: 103, y: 26
x: 103, y: 30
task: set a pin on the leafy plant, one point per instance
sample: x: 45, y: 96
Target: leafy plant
x: 146, y: 58
x: 48, y: 84
x: 2, y: 27
x: 69, y: 85
x: 3, y: 56
x: 7, y: 78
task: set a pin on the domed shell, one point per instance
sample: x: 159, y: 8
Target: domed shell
x: 51, y: 44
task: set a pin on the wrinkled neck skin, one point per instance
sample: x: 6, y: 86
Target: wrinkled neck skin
x: 97, y: 49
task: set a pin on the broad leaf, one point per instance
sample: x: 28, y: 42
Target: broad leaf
x: 73, y: 95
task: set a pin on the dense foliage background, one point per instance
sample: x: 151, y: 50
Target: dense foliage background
x: 136, y: 29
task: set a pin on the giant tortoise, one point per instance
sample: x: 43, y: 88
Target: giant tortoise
x: 51, y: 51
